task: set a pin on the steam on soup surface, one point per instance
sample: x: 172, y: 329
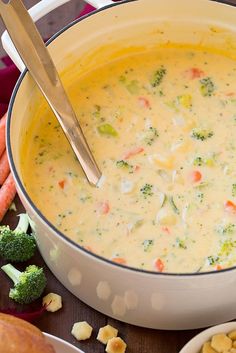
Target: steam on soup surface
x: 162, y: 127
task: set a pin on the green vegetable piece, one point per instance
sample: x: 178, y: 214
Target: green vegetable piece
x: 151, y: 135
x: 185, y: 100
x: 201, y: 134
x: 207, y: 87
x: 125, y: 166
x: 198, y: 161
x: 212, y: 260
x: 234, y: 190
x: 200, y: 197
x: 16, y: 245
x: 173, y: 205
x: 227, y: 247
x: 122, y: 164
x: 107, y: 129
x: 133, y: 87
x: 180, y: 243
x: 202, y: 185
x: 147, y: 190
x: 148, y: 245
x: 158, y: 76
x: 97, y: 111
x: 28, y: 285
x: 226, y: 229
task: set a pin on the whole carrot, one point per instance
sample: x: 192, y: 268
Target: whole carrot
x: 4, y: 167
x: 2, y: 134
x: 7, y: 194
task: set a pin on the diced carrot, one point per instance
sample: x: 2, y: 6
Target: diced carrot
x: 194, y: 72
x: 218, y: 267
x: 7, y: 194
x: 196, y: 176
x: 230, y: 206
x: 2, y: 134
x: 119, y: 260
x: 144, y: 102
x: 4, y: 167
x: 104, y: 207
x: 159, y: 265
x: 137, y: 168
x: 61, y: 183
x: 166, y: 229
x: 133, y: 152
x: 230, y: 94
x: 87, y: 247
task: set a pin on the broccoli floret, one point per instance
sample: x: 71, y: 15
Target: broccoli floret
x: 148, y: 245
x: 29, y: 285
x: 16, y: 245
x: 212, y: 260
x: 151, y: 135
x: 201, y: 134
x: 227, y: 228
x: 198, y: 161
x: 158, y: 76
x: 124, y: 165
x: 147, y: 190
x: 180, y: 243
x: 207, y: 87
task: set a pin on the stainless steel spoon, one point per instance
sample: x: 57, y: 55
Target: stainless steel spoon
x: 37, y: 59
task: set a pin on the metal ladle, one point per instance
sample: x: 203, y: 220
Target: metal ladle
x: 37, y: 59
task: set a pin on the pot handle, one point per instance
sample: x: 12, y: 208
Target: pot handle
x: 39, y: 10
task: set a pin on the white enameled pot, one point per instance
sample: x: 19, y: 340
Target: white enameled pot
x: 155, y: 300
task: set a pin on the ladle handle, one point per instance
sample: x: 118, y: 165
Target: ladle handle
x: 41, y: 9
x: 36, y: 57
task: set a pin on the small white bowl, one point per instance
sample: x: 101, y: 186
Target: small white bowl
x: 61, y: 346
x: 196, y: 343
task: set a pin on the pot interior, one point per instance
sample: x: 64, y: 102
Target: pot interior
x: 125, y: 29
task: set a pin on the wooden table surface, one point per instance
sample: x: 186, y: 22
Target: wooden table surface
x: 139, y: 340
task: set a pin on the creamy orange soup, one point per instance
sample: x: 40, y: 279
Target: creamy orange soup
x: 162, y: 127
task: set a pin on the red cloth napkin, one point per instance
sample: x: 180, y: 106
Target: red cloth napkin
x: 9, y: 74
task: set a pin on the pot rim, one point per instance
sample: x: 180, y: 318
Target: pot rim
x: 34, y: 207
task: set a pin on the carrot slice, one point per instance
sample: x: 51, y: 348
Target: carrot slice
x: 7, y: 194
x: 104, y: 207
x: 166, y: 229
x: 2, y: 134
x: 196, y: 176
x: 219, y: 267
x: 133, y: 152
x: 4, y: 167
x: 159, y: 265
x: 61, y: 183
x: 230, y: 206
x: 144, y: 102
x: 119, y: 260
x: 194, y: 72
x: 87, y: 247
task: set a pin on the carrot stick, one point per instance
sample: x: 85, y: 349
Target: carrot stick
x: 7, y: 194
x: 2, y: 134
x: 4, y: 167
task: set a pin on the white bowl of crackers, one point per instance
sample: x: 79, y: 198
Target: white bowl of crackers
x: 216, y: 339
